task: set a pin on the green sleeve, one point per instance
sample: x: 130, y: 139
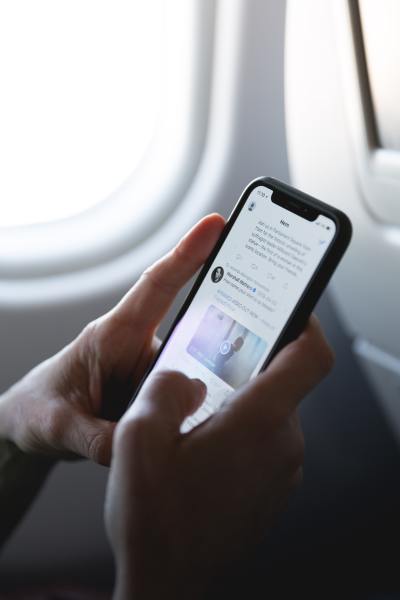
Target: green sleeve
x: 21, y: 477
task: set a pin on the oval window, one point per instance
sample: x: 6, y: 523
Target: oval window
x: 79, y: 101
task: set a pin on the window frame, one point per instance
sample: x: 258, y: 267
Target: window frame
x: 111, y: 229
x: 234, y: 147
x: 378, y: 168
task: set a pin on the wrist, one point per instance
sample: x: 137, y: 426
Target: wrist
x: 12, y: 423
x: 18, y: 425
x: 15, y: 461
x: 21, y: 477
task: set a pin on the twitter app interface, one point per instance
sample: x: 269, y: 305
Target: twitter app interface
x: 247, y: 296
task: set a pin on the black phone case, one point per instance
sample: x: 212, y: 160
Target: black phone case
x: 300, y: 315
x: 303, y: 309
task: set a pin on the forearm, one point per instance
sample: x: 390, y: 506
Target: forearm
x: 21, y: 477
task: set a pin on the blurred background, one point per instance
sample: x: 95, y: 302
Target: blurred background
x: 121, y: 124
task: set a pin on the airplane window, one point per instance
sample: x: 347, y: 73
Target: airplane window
x: 104, y: 109
x: 80, y: 95
x: 379, y: 22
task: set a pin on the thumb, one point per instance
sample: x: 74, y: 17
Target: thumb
x: 166, y: 399
x: 91, y: 438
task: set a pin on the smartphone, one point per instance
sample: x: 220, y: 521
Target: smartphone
x: 256, y: 291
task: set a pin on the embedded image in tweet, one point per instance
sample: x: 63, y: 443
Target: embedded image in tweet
x: 226, y: 347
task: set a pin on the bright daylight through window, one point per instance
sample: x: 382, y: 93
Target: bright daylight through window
x: 79, y: 101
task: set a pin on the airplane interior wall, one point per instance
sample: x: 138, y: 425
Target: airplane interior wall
x: 351, y: 457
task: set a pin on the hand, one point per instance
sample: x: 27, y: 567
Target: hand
x: 179, y: 507
x: 59, y: 408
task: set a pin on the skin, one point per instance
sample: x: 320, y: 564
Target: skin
x: 173, y: 501
x: 57, y: 408
x: 179, y: 507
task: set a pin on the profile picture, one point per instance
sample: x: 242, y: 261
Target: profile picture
x: 251, y: 206
x: 226, y: 347
x: 217, y: 274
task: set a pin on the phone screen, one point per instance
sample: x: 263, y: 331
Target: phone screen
x: 246, y: 298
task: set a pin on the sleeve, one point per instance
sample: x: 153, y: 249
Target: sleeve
x: 21, y: 477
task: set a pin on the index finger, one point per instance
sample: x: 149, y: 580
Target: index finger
x: 150, y: 298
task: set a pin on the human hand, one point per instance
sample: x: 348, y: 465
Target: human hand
x: 59, y: 408
x: 181, y: 506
